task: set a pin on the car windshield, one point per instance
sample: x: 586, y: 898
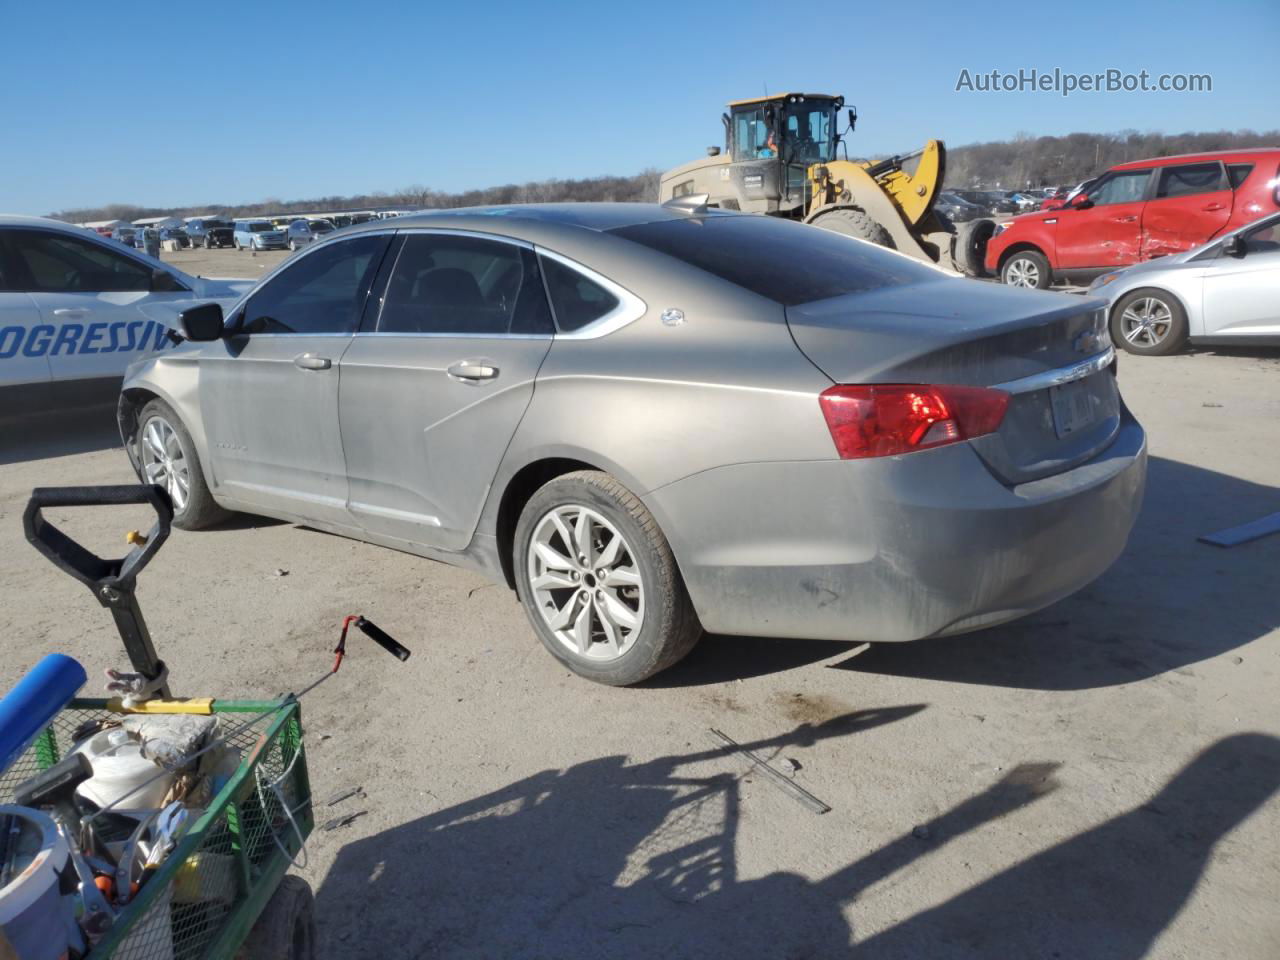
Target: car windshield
x: 787, y: 262
x: 260, y: 227
x: 809, y: 136
x: 321, y: 226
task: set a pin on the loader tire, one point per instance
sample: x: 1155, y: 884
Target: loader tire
x: 971, y: 246
x: 854, y: 223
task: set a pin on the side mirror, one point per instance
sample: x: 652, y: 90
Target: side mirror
x: 1233, y: 247
x: 853, y: 118
x: 1080, y: 201
x: 162, y: 281
x: 202, y: 324
x: 713, y: 151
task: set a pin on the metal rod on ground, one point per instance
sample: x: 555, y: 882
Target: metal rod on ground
x: 1234, y: 536
x: 781, y: 779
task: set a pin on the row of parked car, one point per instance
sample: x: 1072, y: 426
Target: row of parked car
x: 1184, y: 247
x: 253, y: 234
x: 961, y: 206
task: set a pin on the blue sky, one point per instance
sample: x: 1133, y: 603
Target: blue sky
x: 195, y: 102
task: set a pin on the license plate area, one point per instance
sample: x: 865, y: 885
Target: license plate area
x: 1074, y: 406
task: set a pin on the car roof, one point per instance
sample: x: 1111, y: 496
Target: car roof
x: 774, y: 97
x: 518, y: 219
x: 1254, y: 153
x: 18, y: 220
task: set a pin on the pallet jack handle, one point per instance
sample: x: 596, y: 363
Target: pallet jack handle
x: 112, y: 582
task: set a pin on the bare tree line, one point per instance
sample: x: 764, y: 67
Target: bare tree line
x: 1027, y: 162
x: 1022, y: 162
x: 642, y: 186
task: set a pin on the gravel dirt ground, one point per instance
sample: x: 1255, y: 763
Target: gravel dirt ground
x: 1097, y: 781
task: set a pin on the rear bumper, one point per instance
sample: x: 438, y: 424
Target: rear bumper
x: 929, y: 544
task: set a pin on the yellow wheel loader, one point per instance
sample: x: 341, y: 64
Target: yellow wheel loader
x: 781, y: 158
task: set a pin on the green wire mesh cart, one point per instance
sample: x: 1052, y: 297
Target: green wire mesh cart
x: 223, y: 891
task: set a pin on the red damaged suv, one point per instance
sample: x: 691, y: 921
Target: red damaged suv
x: 1137, y: 211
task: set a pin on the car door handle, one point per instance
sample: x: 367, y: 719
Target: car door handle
x: 1129, y: 219
x: 1213, y: 206
x: 307, y: 361
x: 71, y: 313
x: 472, y: 370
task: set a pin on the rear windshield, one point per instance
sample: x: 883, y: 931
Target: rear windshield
x: 789, y: 263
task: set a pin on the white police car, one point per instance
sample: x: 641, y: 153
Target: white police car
x: 76, y: 309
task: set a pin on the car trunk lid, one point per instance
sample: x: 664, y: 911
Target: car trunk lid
x: 1050, y: 352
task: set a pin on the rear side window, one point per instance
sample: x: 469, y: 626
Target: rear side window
x: 577, y: 300
x: 446, y: 284
x: 789, y: 263
x: 322, y: 292
x: 1239, y: 173
x: 1190, y: 179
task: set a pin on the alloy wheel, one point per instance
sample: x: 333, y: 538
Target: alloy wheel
x: 163, y: 461
x: 585, y: 582
x: 1146, y: 322
x: 1022, y: 273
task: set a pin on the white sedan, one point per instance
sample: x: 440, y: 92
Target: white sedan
x: 76, y: 309
x: 1227, y: 291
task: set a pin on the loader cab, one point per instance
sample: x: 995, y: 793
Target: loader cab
x: 772, y: 143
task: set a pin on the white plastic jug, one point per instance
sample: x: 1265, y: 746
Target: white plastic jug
x: 121, y: 773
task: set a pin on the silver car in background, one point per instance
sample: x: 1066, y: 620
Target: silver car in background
x: 1227, y: 291
x: 651, y: 421
x: 302, y: 231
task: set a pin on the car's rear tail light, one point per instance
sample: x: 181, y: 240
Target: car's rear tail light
x: 887, y: 419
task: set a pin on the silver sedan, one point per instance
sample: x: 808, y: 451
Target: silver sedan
x: 1227, y: 291
x: 651, y: 421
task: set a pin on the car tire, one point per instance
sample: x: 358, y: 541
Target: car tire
x: 236, y: 243
x: 1028, y: 269
x: 293, y: 246
x: 166, y: 455
x: 1149, y: 322
x: 583, y: 621
x: 854, y: 223
x: 286, y: 928
x: 971, y: 246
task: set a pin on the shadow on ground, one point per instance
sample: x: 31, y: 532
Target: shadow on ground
x: 1168, y: 603
x: 41, y: 436
x: 608, y: 858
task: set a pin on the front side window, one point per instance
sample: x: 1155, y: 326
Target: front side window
x: 1265, y: 238
x: 1190, y: 179
x: 53, y: 263
x: 577, y: 300
x: 450, y: 284
x: 1130, y: 186
x: 320, y: 293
